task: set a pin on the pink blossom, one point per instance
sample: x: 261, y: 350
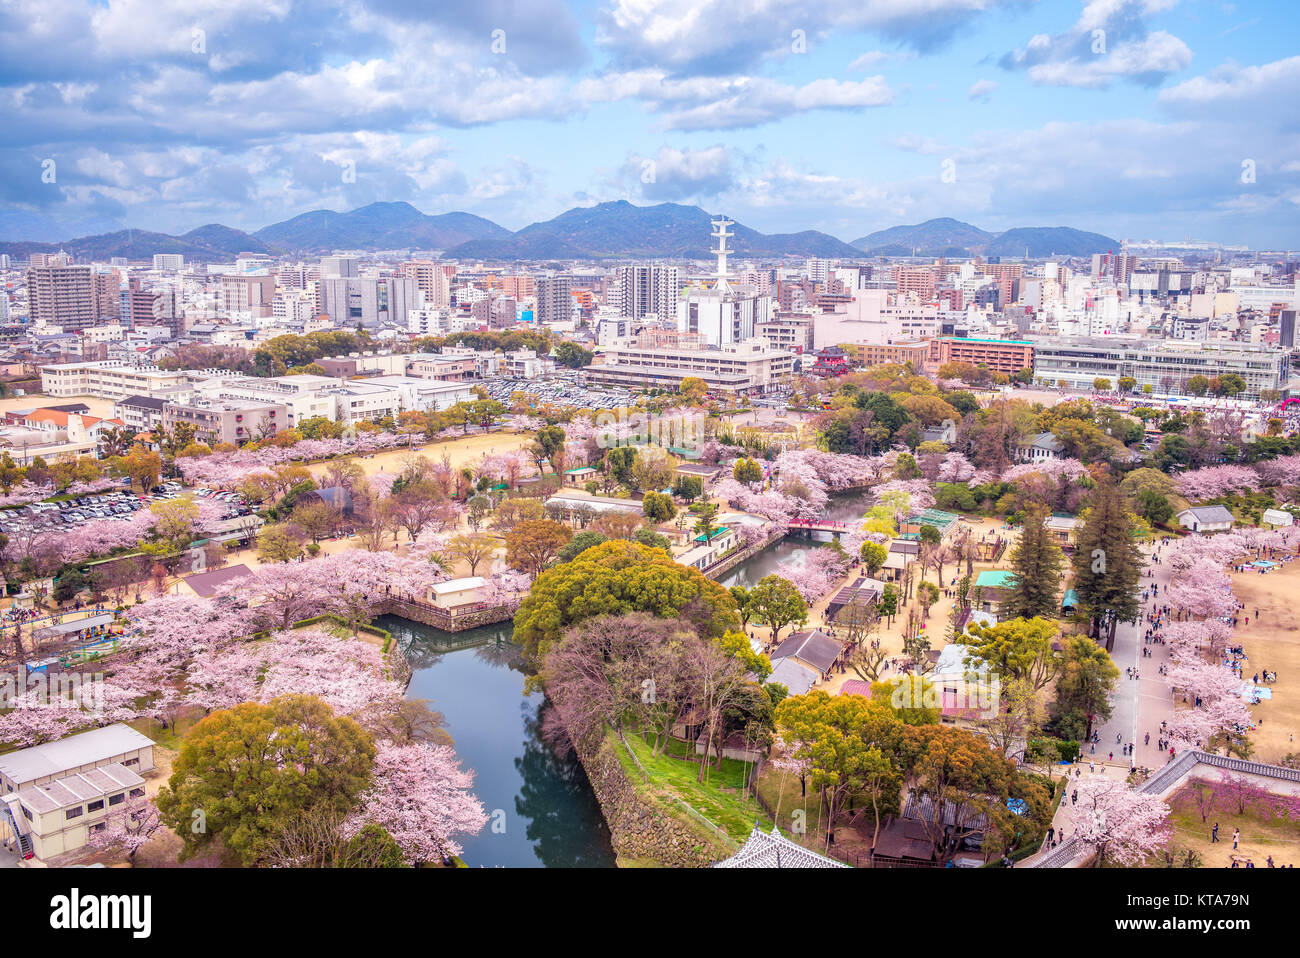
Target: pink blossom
x: 1214, y: 481
x: 1119, y: 823
x: 421, y: 796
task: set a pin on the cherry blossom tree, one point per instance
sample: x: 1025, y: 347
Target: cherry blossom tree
x: 1120, y: 824
x: 128, y: 828
x: 422, y: 797
x: 1214, y: 481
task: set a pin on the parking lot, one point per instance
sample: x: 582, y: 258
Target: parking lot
x: 564, y: 389
x: 116, y: 506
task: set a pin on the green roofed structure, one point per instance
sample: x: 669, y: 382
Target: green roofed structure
x: 996, y: 579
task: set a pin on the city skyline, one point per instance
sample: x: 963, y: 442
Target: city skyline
x: 1173, y: 121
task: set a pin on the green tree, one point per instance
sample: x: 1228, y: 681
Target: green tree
x: 848, y: 747
x: 873, y: 556
x: 1016, y: 649
x: 747, y: 470
x: 705, y: 513
x: 658, y: 507
x: 655, y: 540
x: 579, y: 544
x: 1036, y: 562
x: 693, y: 390
x: 1198, y: 385
x: 777, y: 603
x: 1127, y: 384
x: 1101, y: 384
x: 278, y: 543
x: 688, y: 488
x: 243, y: 773
x: 1154, y: 507
x: 1083, y: 691
x: 1107, y: 563
x: 616, y: 578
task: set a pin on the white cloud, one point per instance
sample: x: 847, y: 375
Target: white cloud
x: 981, y: 90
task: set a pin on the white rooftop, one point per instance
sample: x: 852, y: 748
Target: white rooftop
x: 74, y: 751
x: 459, y: 585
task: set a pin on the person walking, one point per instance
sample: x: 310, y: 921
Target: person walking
x: 1236, y: 837
x: 1214, y: 833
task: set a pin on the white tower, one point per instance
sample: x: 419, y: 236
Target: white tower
x: 721, y: 235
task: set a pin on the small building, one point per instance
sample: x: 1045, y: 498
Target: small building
x: 1041, y: 448
x: 574, y: 507
x: 814, y: 649
x: 59, y: 816
x: 41, y: 764
x: 1062, y: 528
x: 945, y: 522
x: 1277, y: 518
x: 1206, y: 519
x: 701, y: 470
x: 994, y: 587
x: 579, y: 477
x: 795, y: 676
x: 455, y: 593
x: 1069, y: 602
x: 336, y: 497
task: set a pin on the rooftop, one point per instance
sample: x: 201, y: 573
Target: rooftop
x: 71, y: 752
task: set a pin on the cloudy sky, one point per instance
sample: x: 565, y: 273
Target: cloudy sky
x: 1142, y: 119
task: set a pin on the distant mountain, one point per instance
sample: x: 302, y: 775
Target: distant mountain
x: 949, y: 237
x: 378, y: 226
x: 620, y: 230
x: 205, y: 244
x: 616, y: 230
x: 926, y: 238
x: 1050, y: 241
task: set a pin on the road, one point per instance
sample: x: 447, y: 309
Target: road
x: 1139, y: 705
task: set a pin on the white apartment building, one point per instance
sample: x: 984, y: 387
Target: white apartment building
x: 721, y: 315
x: 304, y: 396
x: 749, y: 367
x: 109, y: 379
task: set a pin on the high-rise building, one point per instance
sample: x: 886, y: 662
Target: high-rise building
x: 252, y: 293
x: 369, y: 300
x: 648, y: 289
x: 336, y: 266
x: 61, y: 295
x: 721, y: 314
x: 432, y: 280
x: 1286, y: 327
x: 554, y: 298
x: 168, y: 261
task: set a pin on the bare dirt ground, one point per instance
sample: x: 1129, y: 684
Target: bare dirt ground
x: 1272, y: 641
x: 464, y: 451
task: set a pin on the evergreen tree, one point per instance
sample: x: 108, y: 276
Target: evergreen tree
x: 1036, y: 562
x: 1107, y: 564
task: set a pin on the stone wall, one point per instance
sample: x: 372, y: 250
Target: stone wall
x: 442, y: 619
x: 641, y: 827
x: 719, y: 569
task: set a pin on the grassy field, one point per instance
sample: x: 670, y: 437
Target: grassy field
x: 1272, y: 641
x: 719, y: 798
x: 1261, y: 836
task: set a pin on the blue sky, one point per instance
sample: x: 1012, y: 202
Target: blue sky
x: 1134, y: 118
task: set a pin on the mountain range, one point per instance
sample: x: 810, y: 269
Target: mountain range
x: 614, y: 230
x: 949, y: 237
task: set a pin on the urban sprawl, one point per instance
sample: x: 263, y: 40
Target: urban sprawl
x: 772, y: 562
